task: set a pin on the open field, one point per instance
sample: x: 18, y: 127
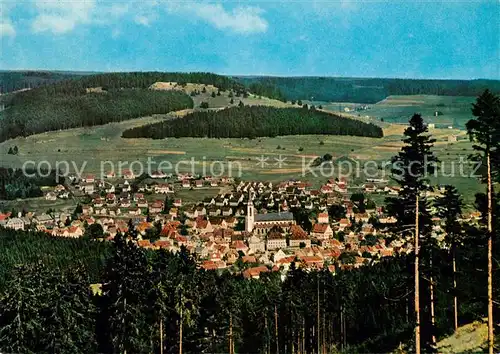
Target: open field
x: 456, y: 110
x: 221, y: 101
x: 39, y: 205
x: 88, y: 148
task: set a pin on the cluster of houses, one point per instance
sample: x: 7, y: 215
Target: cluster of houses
x: 252, y: 228
x: 157, y: 182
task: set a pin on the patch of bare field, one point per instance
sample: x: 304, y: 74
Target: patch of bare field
x: 168, y: 86
x: 306, y: 156
x: 274, y: 171
x: 95, y: 90
x: 181, y: 113
x: 387, y: 148
x: 166, y: 152
x: 247, y: 150
x: 394, y: 129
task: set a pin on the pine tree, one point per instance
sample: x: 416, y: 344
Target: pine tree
x: 449, y: 208
x: 410, y: 169
x: 45, y: 310
x: 484, y: 130
x: 70, y: 323
x: 124, y: 283
x: 20, y: 322
x: 160, y: 287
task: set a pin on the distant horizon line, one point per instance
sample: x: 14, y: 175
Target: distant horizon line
x: 91, y: 72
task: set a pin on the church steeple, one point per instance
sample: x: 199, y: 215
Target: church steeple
x: 250, y: 218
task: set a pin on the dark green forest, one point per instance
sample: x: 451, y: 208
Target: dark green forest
x: 47, y: 108
x: 16, y: 184
x: 58, y: 82
x: 20, y: 247
x: 61, y: 101
x: 360, y: 310
x: 18, y: 80
x: 255, y: 121
x: 367, y: 90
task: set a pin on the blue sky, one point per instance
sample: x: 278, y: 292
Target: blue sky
x: 398, y: 38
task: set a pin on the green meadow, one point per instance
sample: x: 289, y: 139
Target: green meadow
x: 452, y: 111
x: 252, y: 159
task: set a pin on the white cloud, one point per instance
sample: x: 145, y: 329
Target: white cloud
x: 242, y: 19
x: 118, y: 10
x: 62, y: 16
x: 144, y: 20
x: 6, y: 27
x: 55, y: 24
x: 7, y: 30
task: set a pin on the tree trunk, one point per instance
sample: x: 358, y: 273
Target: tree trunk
x: 490, y: 264
x: 125, y: 309
x: 345, y: 332
x: 161, y: 336
x: 267, y: 333
x: 324, y: 325
x: 312, y: 338
x: 303, y: 335
x: 455, y: 300
x: 341, y: 327
x: 276, y: 329
x: 318, y: 340
x: 323, y: 335
x: 417, y: 275
x: 180, y: 332
x: 230, y: 333
x: 433, y: 317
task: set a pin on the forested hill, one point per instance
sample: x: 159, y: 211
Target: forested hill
x: 255, y: 121
x: 11, y: 81
x: 363, y: 310
x: 46, y: 108
x: 367, y: 90
x: 77, y: 83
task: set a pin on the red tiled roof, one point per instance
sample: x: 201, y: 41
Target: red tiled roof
x: 201, y: 224
x: 297, y: 233
x: 209, y: 265
x: 162, y: 244
x: 311, y: 259
x: 320, y: 228
x: 239, y: 245
x: 255, y: 271
x: 144, y: 243
x: 249, y: 259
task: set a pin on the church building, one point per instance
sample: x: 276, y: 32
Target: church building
x: 262, y: 223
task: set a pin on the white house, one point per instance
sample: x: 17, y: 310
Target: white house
x: 15, y: 223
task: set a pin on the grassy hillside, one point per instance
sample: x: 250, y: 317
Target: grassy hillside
x: 255, y: 121
x: 104, y: 143
x: 471, y: 338
x: 368, y: 90
x: 451, y: 110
